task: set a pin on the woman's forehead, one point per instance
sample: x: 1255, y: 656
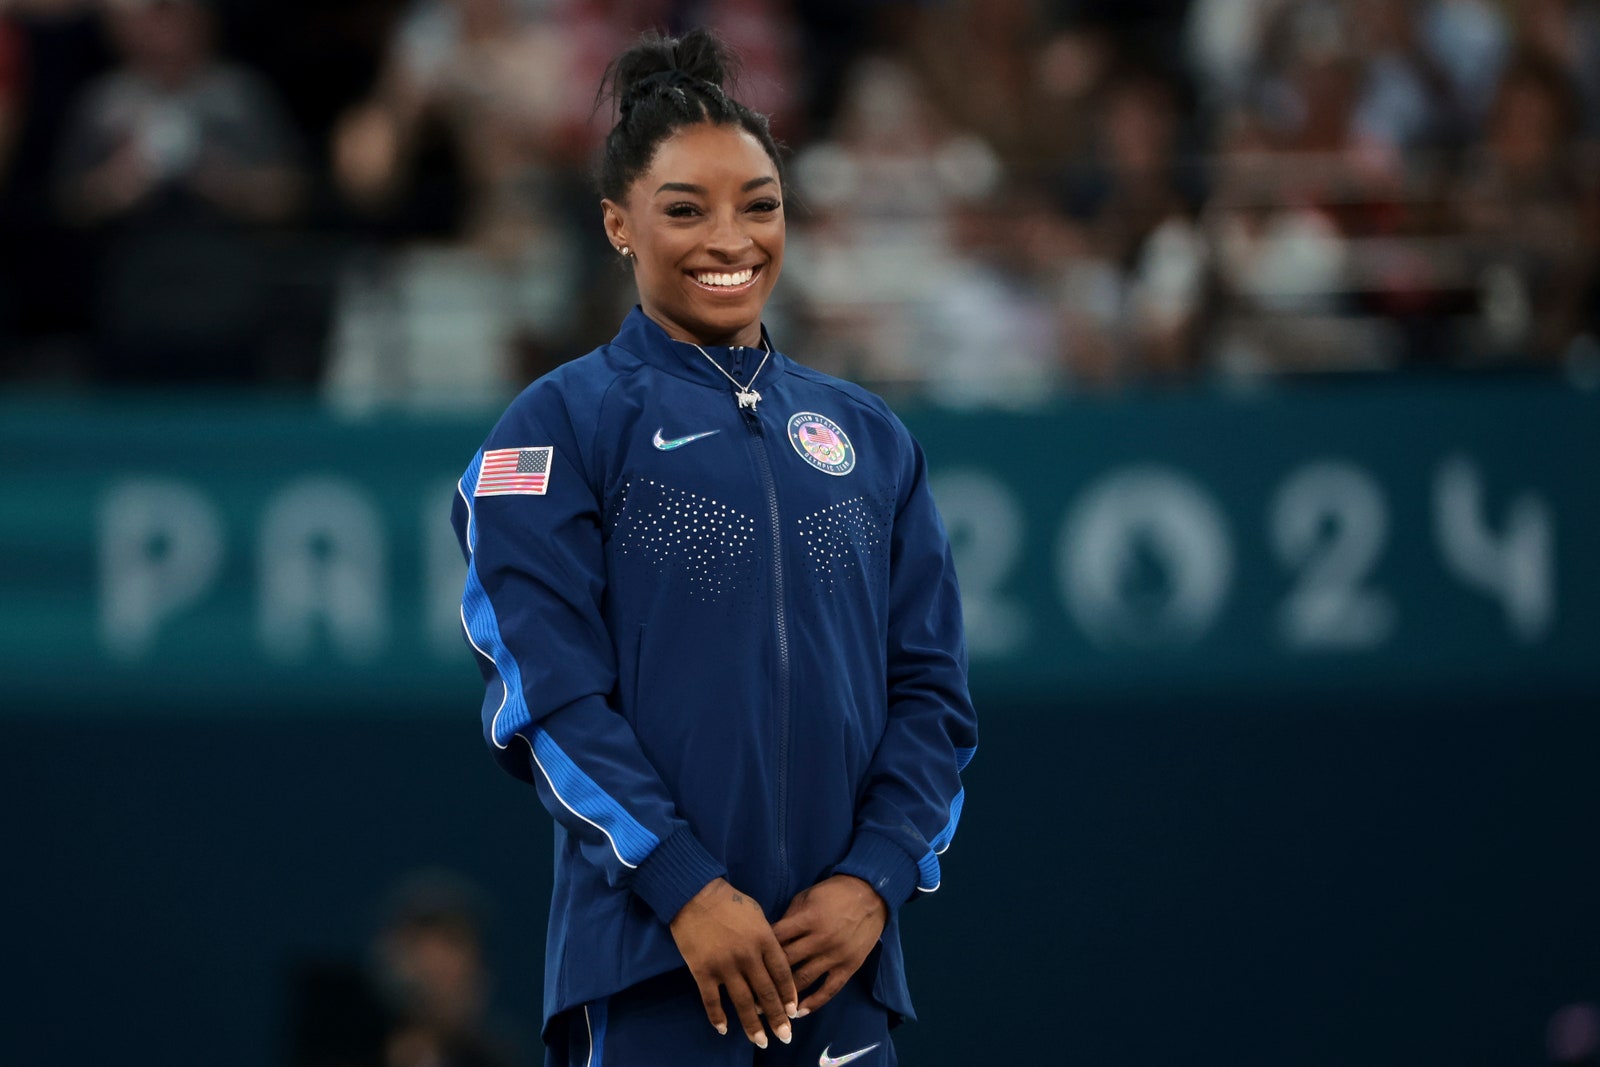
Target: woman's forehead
x: 708, y: 155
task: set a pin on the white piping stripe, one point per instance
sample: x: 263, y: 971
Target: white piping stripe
x: 462, y: 492
x: 569, y: 807
x: 589, y: 1062
x: 505, y: 690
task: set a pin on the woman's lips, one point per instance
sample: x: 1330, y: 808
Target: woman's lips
x: 725, y: 282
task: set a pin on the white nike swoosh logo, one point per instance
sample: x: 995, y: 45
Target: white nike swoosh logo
x: 678, y: 442
x: 834, y: 1061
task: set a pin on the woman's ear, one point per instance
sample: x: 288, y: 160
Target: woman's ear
x: 616, y: 224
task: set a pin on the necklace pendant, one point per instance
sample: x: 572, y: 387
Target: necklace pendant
x: 748, y: 399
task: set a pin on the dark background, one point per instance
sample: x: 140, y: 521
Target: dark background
x: 1299, y: 879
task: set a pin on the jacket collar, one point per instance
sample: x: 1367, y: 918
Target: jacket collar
x: 642, y: 336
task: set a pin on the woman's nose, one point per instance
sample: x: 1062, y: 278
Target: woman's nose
x: 728, y: 236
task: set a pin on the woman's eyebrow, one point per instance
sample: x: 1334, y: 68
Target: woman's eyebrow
x: 687, y: 187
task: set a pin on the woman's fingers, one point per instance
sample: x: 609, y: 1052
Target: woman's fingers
x: 837, y: 977
x: 751, y: 1000
x: 786, y: 999
x: 744, y: 1006
x: 711, y: 1000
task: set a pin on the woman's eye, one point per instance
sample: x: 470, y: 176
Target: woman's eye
x: 682, y: 211
x: 765, y: 207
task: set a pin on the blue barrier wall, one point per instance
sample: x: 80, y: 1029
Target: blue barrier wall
x: 1289, y: 726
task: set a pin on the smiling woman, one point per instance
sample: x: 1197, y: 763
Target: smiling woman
x: 704, y: 228
x: 692, y: 192
x: 717, y: 618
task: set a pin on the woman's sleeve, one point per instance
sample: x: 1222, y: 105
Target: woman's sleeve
x: 913, y: 795
x: 529, y: 522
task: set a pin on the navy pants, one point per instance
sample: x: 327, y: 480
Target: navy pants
x: 661, y: 1023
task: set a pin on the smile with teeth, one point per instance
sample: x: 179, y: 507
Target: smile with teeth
x: 713, y: 280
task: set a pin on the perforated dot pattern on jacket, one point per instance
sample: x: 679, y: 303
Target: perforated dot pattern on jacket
x: 703, y: 542
x: 847, y: 542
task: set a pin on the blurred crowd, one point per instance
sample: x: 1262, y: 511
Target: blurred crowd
x: 421, y: 995
x: 992, y: 201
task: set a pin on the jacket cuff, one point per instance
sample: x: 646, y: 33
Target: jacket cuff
x: 675, y: 871
x: 883, y: 865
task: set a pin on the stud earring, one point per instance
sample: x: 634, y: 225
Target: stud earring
x: 627, y: 253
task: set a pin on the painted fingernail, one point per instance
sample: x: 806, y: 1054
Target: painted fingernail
x: 722, y: 1028
x: 802, y: 1013
x: 791, y: 1010
x: 760, y: 1040
x: 783, y: 1032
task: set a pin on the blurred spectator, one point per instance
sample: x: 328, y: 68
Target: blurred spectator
x: 1529, y: 201
x: 977, y: 64
x: 1131, y: 294
x: 180, y: 161
x: 895, y: 284
x: 1224, y: 45
x: 493, y: 80
x: 429, y: 969
x: 1567, y: 34
x: 422, y: 1000
x: 1005, y: 73
x: 1469, y: 41
x: 322, y: 56
x: 1301, y: 186
x: 468, y: 156
x: 1404, y: 100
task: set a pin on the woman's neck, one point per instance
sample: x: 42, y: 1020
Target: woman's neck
x: 748, y: 336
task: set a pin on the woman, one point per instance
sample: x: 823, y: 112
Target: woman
x: 718, y: 621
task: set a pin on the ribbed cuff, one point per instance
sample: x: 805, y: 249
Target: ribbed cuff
x: 883, y: 865
x: 675, y: 870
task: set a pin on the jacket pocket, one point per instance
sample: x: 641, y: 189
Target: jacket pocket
x: 630, y: 670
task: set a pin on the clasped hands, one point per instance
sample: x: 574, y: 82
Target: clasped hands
x: 824, y: 937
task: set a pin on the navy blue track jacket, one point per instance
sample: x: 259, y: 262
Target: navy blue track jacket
x: 719, y: 642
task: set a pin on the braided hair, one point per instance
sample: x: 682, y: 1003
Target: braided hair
x: 661, y: 85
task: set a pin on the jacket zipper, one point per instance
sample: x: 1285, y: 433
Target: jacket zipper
x: 770, y: 487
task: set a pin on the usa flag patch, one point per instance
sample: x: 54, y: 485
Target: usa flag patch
x: 515, y: 472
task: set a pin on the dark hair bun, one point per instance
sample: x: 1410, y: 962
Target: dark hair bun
x: 661, y: 85
x: 658, y: 60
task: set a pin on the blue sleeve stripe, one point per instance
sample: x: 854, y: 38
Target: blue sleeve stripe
x: 585, y: 799
x: 483, y: 630
x: 928, y: 872
x: 942, y: 842
x: 576, y: 790
x: 964, y: 757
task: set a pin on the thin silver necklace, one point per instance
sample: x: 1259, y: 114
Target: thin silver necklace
x: 748, y: 397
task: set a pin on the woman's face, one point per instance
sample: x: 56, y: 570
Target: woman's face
x: 705, y: 224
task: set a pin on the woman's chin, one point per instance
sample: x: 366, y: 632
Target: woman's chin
x: 723, y: 325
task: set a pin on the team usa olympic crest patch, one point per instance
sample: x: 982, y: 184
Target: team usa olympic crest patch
x: 821, y: 443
